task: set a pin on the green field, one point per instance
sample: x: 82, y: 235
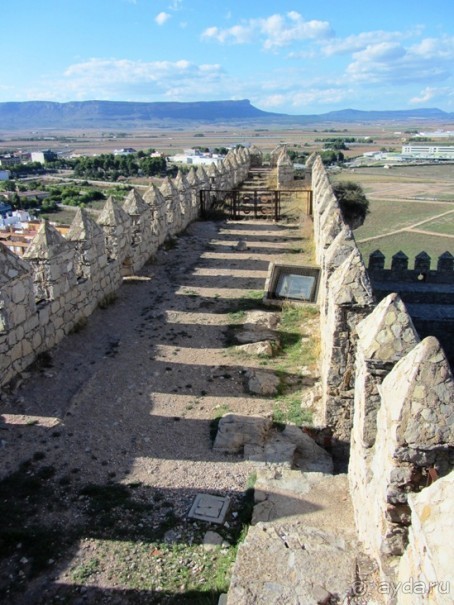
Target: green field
x: 387, y: 215
x: 443, y: 225
x: 401, y: 198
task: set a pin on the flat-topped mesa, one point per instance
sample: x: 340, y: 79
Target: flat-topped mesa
x: 89, y: 245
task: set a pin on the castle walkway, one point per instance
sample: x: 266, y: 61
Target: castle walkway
x: 114, y: 423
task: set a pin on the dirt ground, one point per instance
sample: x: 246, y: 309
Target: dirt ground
x: 106, y: 440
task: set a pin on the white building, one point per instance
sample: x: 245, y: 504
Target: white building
x: 427, y: 152
x: 18, y: 219
x: 195, y: 160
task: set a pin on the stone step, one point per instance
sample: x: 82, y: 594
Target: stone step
x: 301, y: 548
x: 264, y: 443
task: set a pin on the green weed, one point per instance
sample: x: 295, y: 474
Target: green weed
x: 83, y: 572
x: 287, y: 410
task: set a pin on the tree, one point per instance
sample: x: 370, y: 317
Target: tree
x: 353, y: 202
x: 329, y: 156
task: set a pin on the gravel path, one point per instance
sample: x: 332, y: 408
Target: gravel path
x: 131, y: 396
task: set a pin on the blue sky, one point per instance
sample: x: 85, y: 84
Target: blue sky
x: 294, y: 57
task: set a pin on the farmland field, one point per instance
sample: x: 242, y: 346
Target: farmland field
x: 411, y: 209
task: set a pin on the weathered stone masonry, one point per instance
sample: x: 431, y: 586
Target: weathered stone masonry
x: 388, y: 400
x: 60, y: 281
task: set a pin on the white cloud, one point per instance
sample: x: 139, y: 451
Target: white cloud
x: 356, y: 42
x: 124, y: 79
x: 161, y: 18
x: 323, y: 96
x: 176, y: 5
x: 430, y: 93
x: 274, y: 31
x: 301, y: 99
x: 426, y: 95
x: 274, y: 101
x: 238, y: 34
x: 381, y: 52
x: 391, y: 63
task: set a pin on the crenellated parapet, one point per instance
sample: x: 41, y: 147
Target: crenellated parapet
x: 421, y: 271
x: 285, y: 172
x: 116, y: 225
x: 387, y: 396
x: 61, y: 280
x: 89, y: 244
x: 256, y: 157
x: 141, y: 217
x: 155, y: 200
x: 276, y: 154
x: 52, y: 259
x: 345, y: 298
x: 402, y: 442
x: 173, y: 207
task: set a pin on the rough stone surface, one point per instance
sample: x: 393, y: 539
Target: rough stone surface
x: 253, y: 334
x: 430, y: 553
x: 262, y: 383
x: 235, y: 431
x: 263, y: 348
x: 301, y: 547
x: 72, y: 275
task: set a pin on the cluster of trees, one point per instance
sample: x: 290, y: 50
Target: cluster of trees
x: 110, y: 167
x: 297, y: 156
x: 216, y: 150
x: 353, y: 202
x: 328, y: 156
x: 341, y: 142
x: 331, y: 156
x: 71, y: 195
x: 26, y: 169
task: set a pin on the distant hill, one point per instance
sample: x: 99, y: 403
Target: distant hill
x: 121, y: 114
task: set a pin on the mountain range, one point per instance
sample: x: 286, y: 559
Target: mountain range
x: 132, y: 115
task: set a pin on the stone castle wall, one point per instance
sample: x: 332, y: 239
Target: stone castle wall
x: 388, y: 399
x: 60, y: 280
